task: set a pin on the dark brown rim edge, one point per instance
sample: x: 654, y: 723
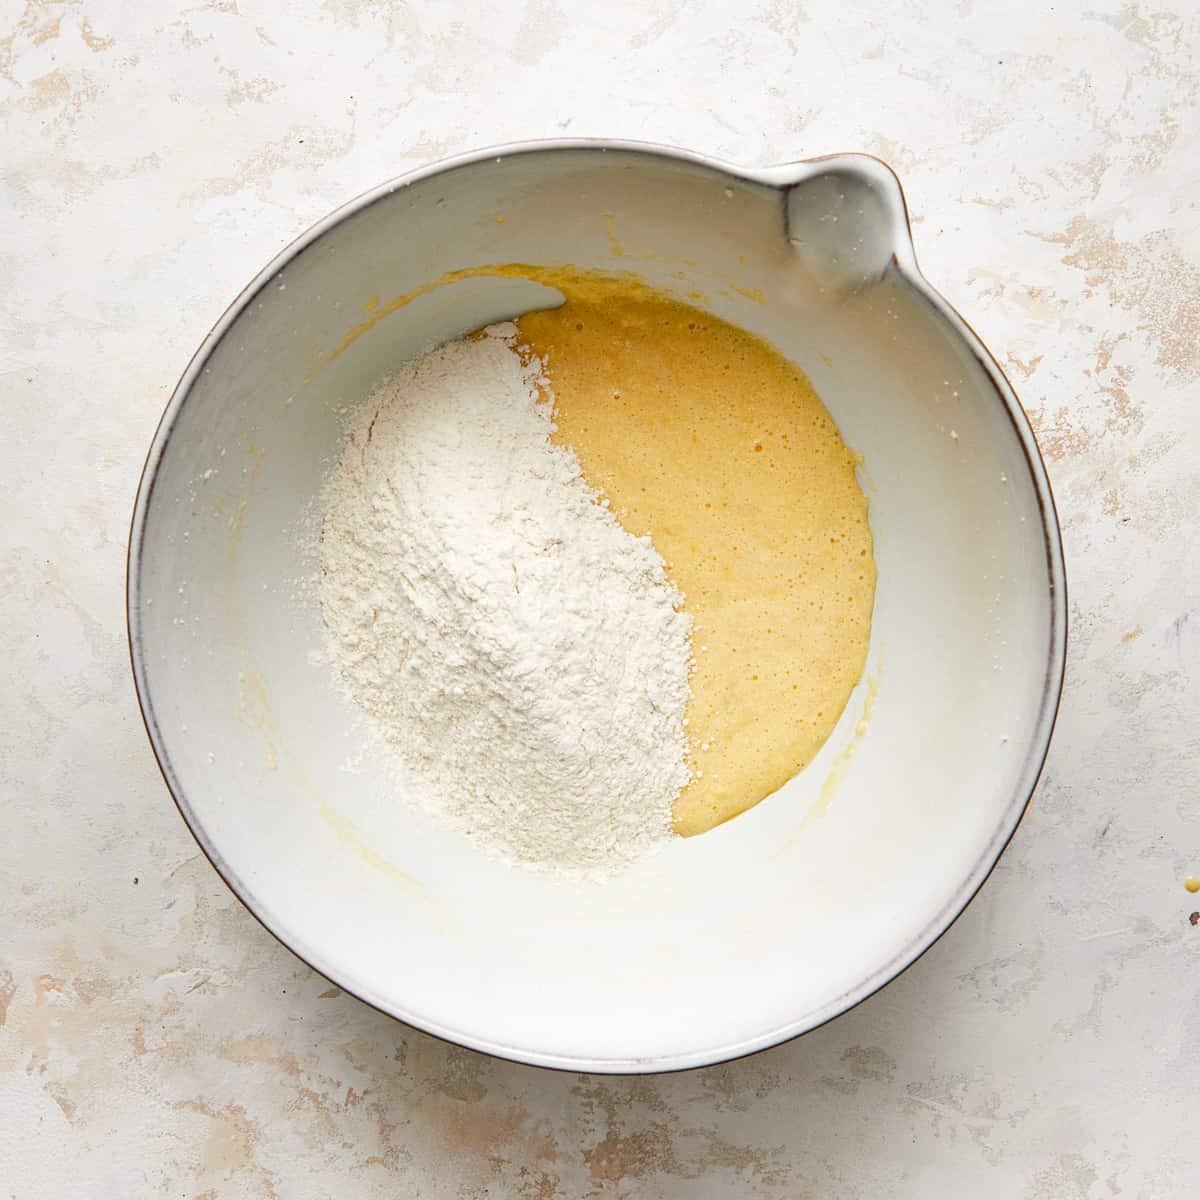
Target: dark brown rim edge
x: 1028, y: 776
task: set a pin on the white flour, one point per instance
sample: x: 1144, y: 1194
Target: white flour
x: 523, y: 654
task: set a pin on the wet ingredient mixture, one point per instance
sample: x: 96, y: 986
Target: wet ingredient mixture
x: 706, y: 439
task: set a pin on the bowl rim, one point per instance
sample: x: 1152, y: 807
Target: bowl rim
x: 904, y: 262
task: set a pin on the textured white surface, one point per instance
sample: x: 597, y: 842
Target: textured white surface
x: 153, y: 1040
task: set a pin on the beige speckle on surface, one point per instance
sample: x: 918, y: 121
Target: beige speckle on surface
x: 155, y: 1041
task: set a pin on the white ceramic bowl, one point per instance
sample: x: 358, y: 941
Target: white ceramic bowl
x: 723, y: 944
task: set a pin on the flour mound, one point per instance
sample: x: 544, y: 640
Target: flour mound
x: 523, y: 654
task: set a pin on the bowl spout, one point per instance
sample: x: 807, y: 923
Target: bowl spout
x: 846, y: 218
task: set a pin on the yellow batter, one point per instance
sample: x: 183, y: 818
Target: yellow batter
x: 707, y: 439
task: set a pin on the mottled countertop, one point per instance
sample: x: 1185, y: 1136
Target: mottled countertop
x: 154, y: 1040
